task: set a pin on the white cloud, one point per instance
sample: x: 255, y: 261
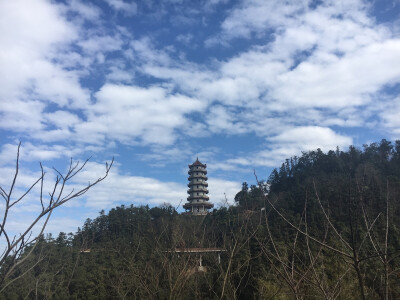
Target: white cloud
x: 292, y: 142
x: 160, y: 156
x: 295, y: 140
x: 26, y: 48
x: 119, y: 188
x: 220, y: 119
x: 210, y: 4
x: 40, y: 29
x: 318, y: 60
x: 146, y: 51
x: 101, y: 43
x: 86, y: 10
x: 311, y: 137
x: 21, y: 116
x: 345, y: 82
x: 127, y: 8
x: 62, y: 119
x: 257, y: 15
x: 390, y: 116
x: 322, y: 68
x: 54, y: 84
x: 39, y: 153
x: 30, y: 76
x: 221, y: 188
x: 185, y: 38
x: 129, y: 114
x: 119, y: 75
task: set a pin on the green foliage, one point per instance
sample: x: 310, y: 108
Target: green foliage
x: 251, y: 199
x: 336, y: 198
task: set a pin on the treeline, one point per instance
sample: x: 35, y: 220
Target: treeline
x: 323, y: 226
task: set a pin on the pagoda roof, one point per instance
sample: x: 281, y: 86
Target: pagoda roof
x: 198, y: 163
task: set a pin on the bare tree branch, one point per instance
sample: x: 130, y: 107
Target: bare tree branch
x: 56, y: 198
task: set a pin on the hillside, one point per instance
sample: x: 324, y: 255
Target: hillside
x: 324, y: 226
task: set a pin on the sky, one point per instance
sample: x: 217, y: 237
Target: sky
x: 242, y: 85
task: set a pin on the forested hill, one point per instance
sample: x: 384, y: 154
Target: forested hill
x: 323, y: 226
x: 383, y: 159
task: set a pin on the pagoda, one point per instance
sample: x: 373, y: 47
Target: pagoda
x: 198, y: 203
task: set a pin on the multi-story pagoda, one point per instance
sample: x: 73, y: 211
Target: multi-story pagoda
x: 198, y: 203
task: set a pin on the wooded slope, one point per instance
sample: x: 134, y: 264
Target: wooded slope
x: 323, y: 226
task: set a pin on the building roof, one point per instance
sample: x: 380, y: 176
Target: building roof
x: 198, y: 163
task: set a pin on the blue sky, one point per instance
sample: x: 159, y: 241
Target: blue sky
x: 240, y: 84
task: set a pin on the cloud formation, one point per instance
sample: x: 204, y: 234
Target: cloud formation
x: 244, y: 83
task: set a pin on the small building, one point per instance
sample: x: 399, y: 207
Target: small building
x: 198, y: 200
